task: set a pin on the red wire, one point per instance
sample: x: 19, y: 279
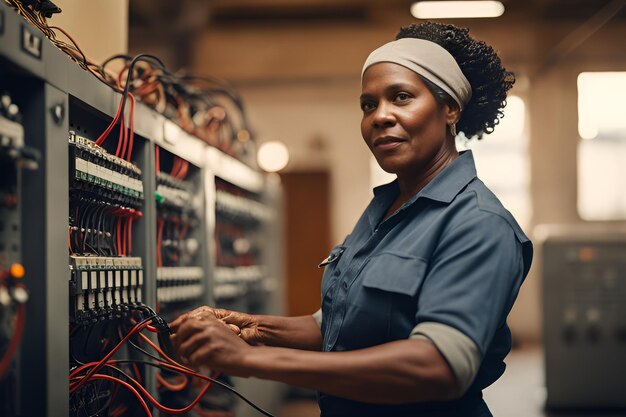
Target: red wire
x: 109, y: 128
x: 119, y: 410
x: 183, y: 172
x: 145, y: 392
x: 175, y: 167
x: 137, y: 373
x: 132, y: 126
x: 148, y: 327
x: 158, y: 349
x: 175, y: 387
x: 123, y: 383
x: 20, y: 319
x: 134, y: 330
x: 129, y: 234
x: 122, y: 238
x: 160, y: 224
x: 79, y: 381
x: 119, y: 237
x: 122, y: 138
x: 157, y: 158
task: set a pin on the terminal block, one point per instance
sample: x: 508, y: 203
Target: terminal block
x: 104, y: 288
x: 93, y: 170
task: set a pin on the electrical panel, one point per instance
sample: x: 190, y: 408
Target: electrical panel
x: 105, y: 201
x: 584, y: 280
x: 14, y: 156
x: 181, y: 282
x: 132, y: 218
x: 241, y: 274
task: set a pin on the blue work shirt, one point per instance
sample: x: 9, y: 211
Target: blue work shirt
x: 452, y: 254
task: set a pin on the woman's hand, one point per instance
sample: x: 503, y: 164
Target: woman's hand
x: 248, y: 326
x: 244, y: 325
x: 203, y: 340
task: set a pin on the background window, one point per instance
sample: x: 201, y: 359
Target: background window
x: 602, y: 148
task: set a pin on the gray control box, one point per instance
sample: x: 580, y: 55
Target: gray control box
x: 584, y: 302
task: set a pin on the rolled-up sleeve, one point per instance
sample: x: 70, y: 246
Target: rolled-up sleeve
x: 318, y: 317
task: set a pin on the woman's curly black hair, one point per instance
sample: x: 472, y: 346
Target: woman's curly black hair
x: 480, y: 65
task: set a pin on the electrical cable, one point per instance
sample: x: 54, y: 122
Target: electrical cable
x: 81, y: 380
x: 78, y: 381
x: 139, y: 326
x: 20, y: 319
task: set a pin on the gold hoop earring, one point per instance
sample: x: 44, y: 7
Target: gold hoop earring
x: 453, y: 129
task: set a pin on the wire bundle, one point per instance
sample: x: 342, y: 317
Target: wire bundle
x: 100, y: 228
x: 38, y: 18
x: 198, y: 104
x: 202, y: 105
x: 107, y: 369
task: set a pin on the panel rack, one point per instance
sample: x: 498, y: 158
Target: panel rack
x: 142, y: 229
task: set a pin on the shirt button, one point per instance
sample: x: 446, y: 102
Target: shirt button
x: 345, y: 285
x: 337, y: 272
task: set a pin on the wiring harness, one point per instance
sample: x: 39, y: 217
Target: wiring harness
x: 206, y: 107
x: 85, y: 374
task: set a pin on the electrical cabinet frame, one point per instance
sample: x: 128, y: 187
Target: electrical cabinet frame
x: 50, y: 90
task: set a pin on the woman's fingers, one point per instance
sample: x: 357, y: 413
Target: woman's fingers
x: 210, y: 343
x: 177, y: 322
x: 187, y: 326
x: 191, y: 344
x: 234, y: 328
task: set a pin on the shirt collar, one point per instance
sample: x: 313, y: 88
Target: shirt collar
x: 445, y: 186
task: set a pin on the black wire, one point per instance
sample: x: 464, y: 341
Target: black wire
x: 205, y: 377
x: 228, y: 387
x: 113, y: 58
x: 141, y: 57
x: 97, y: 225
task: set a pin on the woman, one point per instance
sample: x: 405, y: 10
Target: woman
x: 414, y: 307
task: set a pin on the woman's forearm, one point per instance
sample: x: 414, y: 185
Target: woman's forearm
x: 397, y: 372
x: 294, y: 332
x: 300, y: 332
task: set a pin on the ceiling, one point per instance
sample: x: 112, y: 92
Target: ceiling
x: 184, y: 13
x: 156, y: 23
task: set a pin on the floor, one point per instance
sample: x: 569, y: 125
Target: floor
x: 518, y: 393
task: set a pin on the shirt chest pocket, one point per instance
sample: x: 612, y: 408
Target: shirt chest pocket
x: 383, y: 299
x: 394, y: 273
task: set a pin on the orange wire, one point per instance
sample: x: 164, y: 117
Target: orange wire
x: 175, y: 387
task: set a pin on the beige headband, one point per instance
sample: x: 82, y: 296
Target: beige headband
x: 429, y: 60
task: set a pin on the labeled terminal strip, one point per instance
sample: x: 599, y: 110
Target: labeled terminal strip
x: 104, y: 287
x: 94, y: 169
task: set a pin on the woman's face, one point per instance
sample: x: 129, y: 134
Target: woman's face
x: 403, y: 125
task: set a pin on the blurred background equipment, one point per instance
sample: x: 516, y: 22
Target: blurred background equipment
x: 14, y: 156
x: 584, y: 310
